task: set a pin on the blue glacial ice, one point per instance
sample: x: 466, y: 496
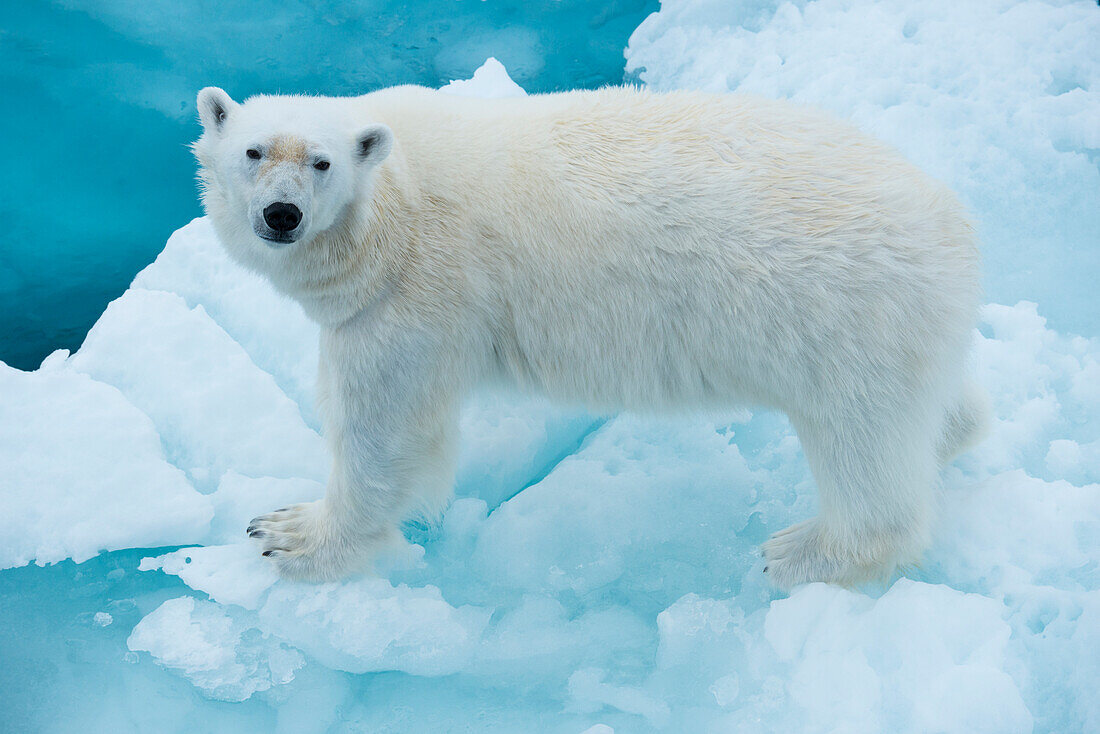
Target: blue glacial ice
x: 594, y: 573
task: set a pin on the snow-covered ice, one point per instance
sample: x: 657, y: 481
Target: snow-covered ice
x: 84, y: 470
x: 490, y: 81
x: 601, y: 573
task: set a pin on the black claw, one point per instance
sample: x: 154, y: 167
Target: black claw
x: 257, y: 534
x: 765, y: 569
x: 249, y: 529
x: 268, y: 553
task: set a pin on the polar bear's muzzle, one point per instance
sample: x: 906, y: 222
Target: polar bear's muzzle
x: 279, y: 222
x: 280, y: 206
x: 282, y: 218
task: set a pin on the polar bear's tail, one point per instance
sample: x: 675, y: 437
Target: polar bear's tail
x: 965, y: 423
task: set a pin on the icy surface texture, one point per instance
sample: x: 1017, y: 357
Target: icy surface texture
x: 998, y: 98
x: 593, y: 574
x: 203, y: 641
x: 83, y: 469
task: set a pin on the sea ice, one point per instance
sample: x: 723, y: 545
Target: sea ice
x: 204, y: 642
x: 83, y: 471
x: 180, y: 368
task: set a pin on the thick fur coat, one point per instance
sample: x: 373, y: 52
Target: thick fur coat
x: 616, y: 248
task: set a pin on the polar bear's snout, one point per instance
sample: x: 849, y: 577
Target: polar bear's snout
x: 282, y: 217
x: 280, y: 208
x: 282, y: 195
x: 278, y: 222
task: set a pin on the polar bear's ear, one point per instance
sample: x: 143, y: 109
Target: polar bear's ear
x: 373, y: 144
x: 214, y: 107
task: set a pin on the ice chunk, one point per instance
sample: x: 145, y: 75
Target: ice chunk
x: 1016, y: 525
x: 230, y: 574
x: 1076, y: 462
x: 371, y: 625
x: 538, y: 641
x: 591, y: 693
x: 362, y: 625
x: 649, y: 466
x: 509, y: 441
x: 925, y: 654
x: 520, y: 46
x: 84, y: 471
x: 213, y: 407
x: 489, y: 81
x: 206, y: 644
x: 725, y: 690
x: 686, y: 629
x: 920, y: 658
x: 1038, y: 379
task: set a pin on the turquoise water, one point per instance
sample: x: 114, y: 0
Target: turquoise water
x: 64, y: 672
x: 96, y: 172
x: 60, y: 666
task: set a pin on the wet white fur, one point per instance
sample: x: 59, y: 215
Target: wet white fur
x: 623, y: 250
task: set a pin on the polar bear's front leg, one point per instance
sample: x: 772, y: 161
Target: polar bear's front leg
x: 389, y: 403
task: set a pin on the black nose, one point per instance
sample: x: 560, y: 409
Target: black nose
x: 282, y: 217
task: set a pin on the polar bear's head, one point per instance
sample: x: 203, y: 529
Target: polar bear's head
x: 277, y: 171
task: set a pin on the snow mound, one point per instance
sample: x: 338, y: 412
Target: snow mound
x: 84, y: 470
x: 180, y: 368
x: 490, y: 81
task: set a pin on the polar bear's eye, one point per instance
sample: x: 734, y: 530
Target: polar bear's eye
x: 321, y: 165
x: 253, y: 154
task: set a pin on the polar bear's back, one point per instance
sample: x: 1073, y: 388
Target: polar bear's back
x: 738, y: 238
x: 626, y: 147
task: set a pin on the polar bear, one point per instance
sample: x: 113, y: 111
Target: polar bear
x: 620, y: 249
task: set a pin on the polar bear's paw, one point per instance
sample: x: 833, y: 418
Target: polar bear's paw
x: 305, y: 544
x: 804, y: 553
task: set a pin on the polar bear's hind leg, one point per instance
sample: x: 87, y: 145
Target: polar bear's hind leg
x: 875, y: 477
